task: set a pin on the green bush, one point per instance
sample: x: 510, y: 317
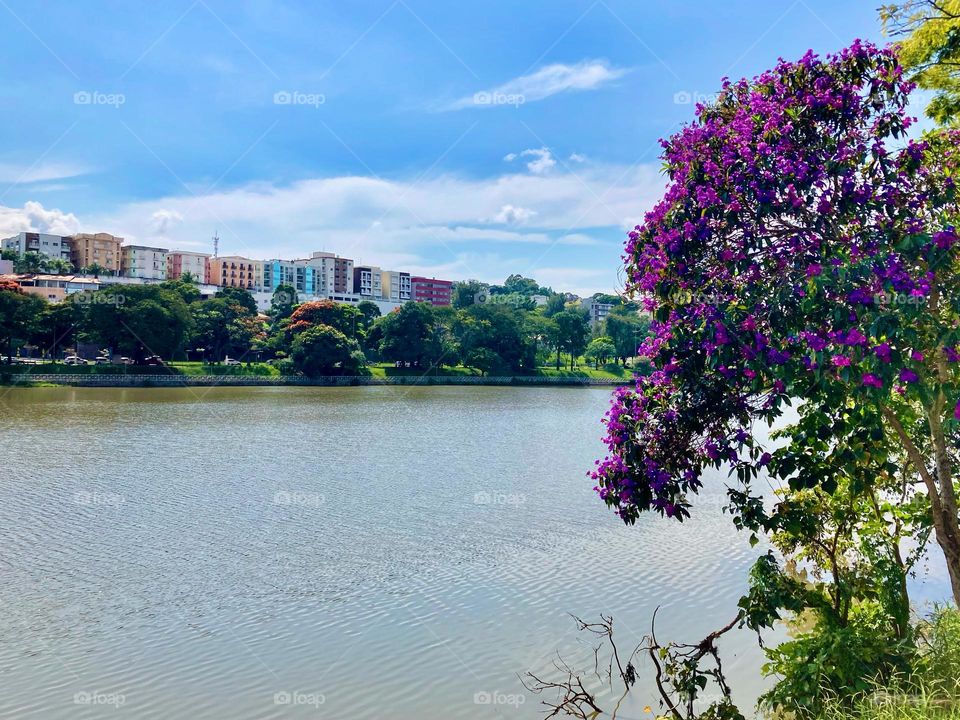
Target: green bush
x: 828, y: 663
x: 939, y: 641
x: 905, y: 705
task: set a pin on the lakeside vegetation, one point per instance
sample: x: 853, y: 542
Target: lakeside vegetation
x: 497, y: 331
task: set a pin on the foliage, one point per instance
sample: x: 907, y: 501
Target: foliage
x: 56, y: 324
x: 184, y: 287
x: 222, y: 327
x: 573, y: 331
x: 803, y: 251
x: 493, y: 336
x: 239, y: 296
x: 930, y: 48
x: 468, y: 293
x: 627, y: 330
x: 324, y: 350
x: 95, y: 269
x: 138, y: 320
x: 18, y: 311
x: 345, y: 318
x: 835, y: 661
x: 519, y: 285
x: 939, y: 643
x: 599, y: 350
x: 283, y: 301
x: 412, y: 334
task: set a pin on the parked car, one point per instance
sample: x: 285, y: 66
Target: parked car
x: 103, y: 360
x: 153, y: 360
x: 74, y: 360
x: 126, y: 361
x: 231, y: 362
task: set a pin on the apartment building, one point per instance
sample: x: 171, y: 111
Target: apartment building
x: 431, y: 290
x: 142, y: 261
x: 236, y: 271
x: 333, y: 275
x: 181, y: 262
x: 596, y: 310
x: 55, y: 247
x: 306, y: 279
x: 368, y: 282
x: 396, y: 285
x: 101, y: 249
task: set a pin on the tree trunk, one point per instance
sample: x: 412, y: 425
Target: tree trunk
x: 947, y: 525
x: 558, y: 357
x: 939, y: 485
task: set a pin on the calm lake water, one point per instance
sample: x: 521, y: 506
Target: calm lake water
x: 371, y: 552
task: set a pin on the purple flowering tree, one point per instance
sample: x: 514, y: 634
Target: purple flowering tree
x: 804, y: 250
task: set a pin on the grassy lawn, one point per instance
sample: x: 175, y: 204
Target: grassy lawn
x: 605, y: 372
x: 174, y: 368
x: 388, y: 370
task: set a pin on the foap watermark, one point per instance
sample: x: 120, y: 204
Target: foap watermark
x: 688, y: 297
x: 511, y: 499
x: 87, y: 297
x: 482, y: 297
x: 296, y: 97
x: 693, y: 97
x: 112, y: 699
x: 303, y: 499
x: 486, y: 97
x: 95, y: 498
x: 284, y: 297
x: 499, y: 698
x: 295, y: 697
x: 903, y: 299
x: 96, y: 97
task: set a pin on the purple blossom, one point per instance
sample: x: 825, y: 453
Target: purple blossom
x: 908, y: 376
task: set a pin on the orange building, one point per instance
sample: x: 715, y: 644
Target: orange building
x: 101, y: 249
x: 235, y: 271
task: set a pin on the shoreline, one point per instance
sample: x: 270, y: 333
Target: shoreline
x: 27, y: 380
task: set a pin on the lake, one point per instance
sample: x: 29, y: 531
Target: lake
x: 361, y: 552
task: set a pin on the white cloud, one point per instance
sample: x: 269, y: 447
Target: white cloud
x: 542, y: 162
x: 511, y: 215
x: 446, y: 226
x: 548, y: 80
x: 163, y: 221
x: 577, y: 158
x: 33, y: 217
x: 39, y: 172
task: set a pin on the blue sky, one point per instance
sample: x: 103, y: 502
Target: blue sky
x: 458, y: 139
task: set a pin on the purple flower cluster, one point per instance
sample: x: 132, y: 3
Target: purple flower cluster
x: 793, y: 215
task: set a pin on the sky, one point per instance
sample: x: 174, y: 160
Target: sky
x: 467, y: 139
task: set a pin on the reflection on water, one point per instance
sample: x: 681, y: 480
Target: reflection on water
x: 325, y: 552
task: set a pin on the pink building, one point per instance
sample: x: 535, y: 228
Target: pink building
x: 431, y: 290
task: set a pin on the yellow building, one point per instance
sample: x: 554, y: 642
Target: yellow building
x: 101, y: 249
x: 235, y: 271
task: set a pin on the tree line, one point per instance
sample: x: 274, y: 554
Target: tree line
x: 171, y: 320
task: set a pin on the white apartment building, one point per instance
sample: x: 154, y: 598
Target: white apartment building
x: 333, y: 275
x: 597, y: 310
x: 180, y: 262
x: 55, y: 247
x: 140, y: 261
